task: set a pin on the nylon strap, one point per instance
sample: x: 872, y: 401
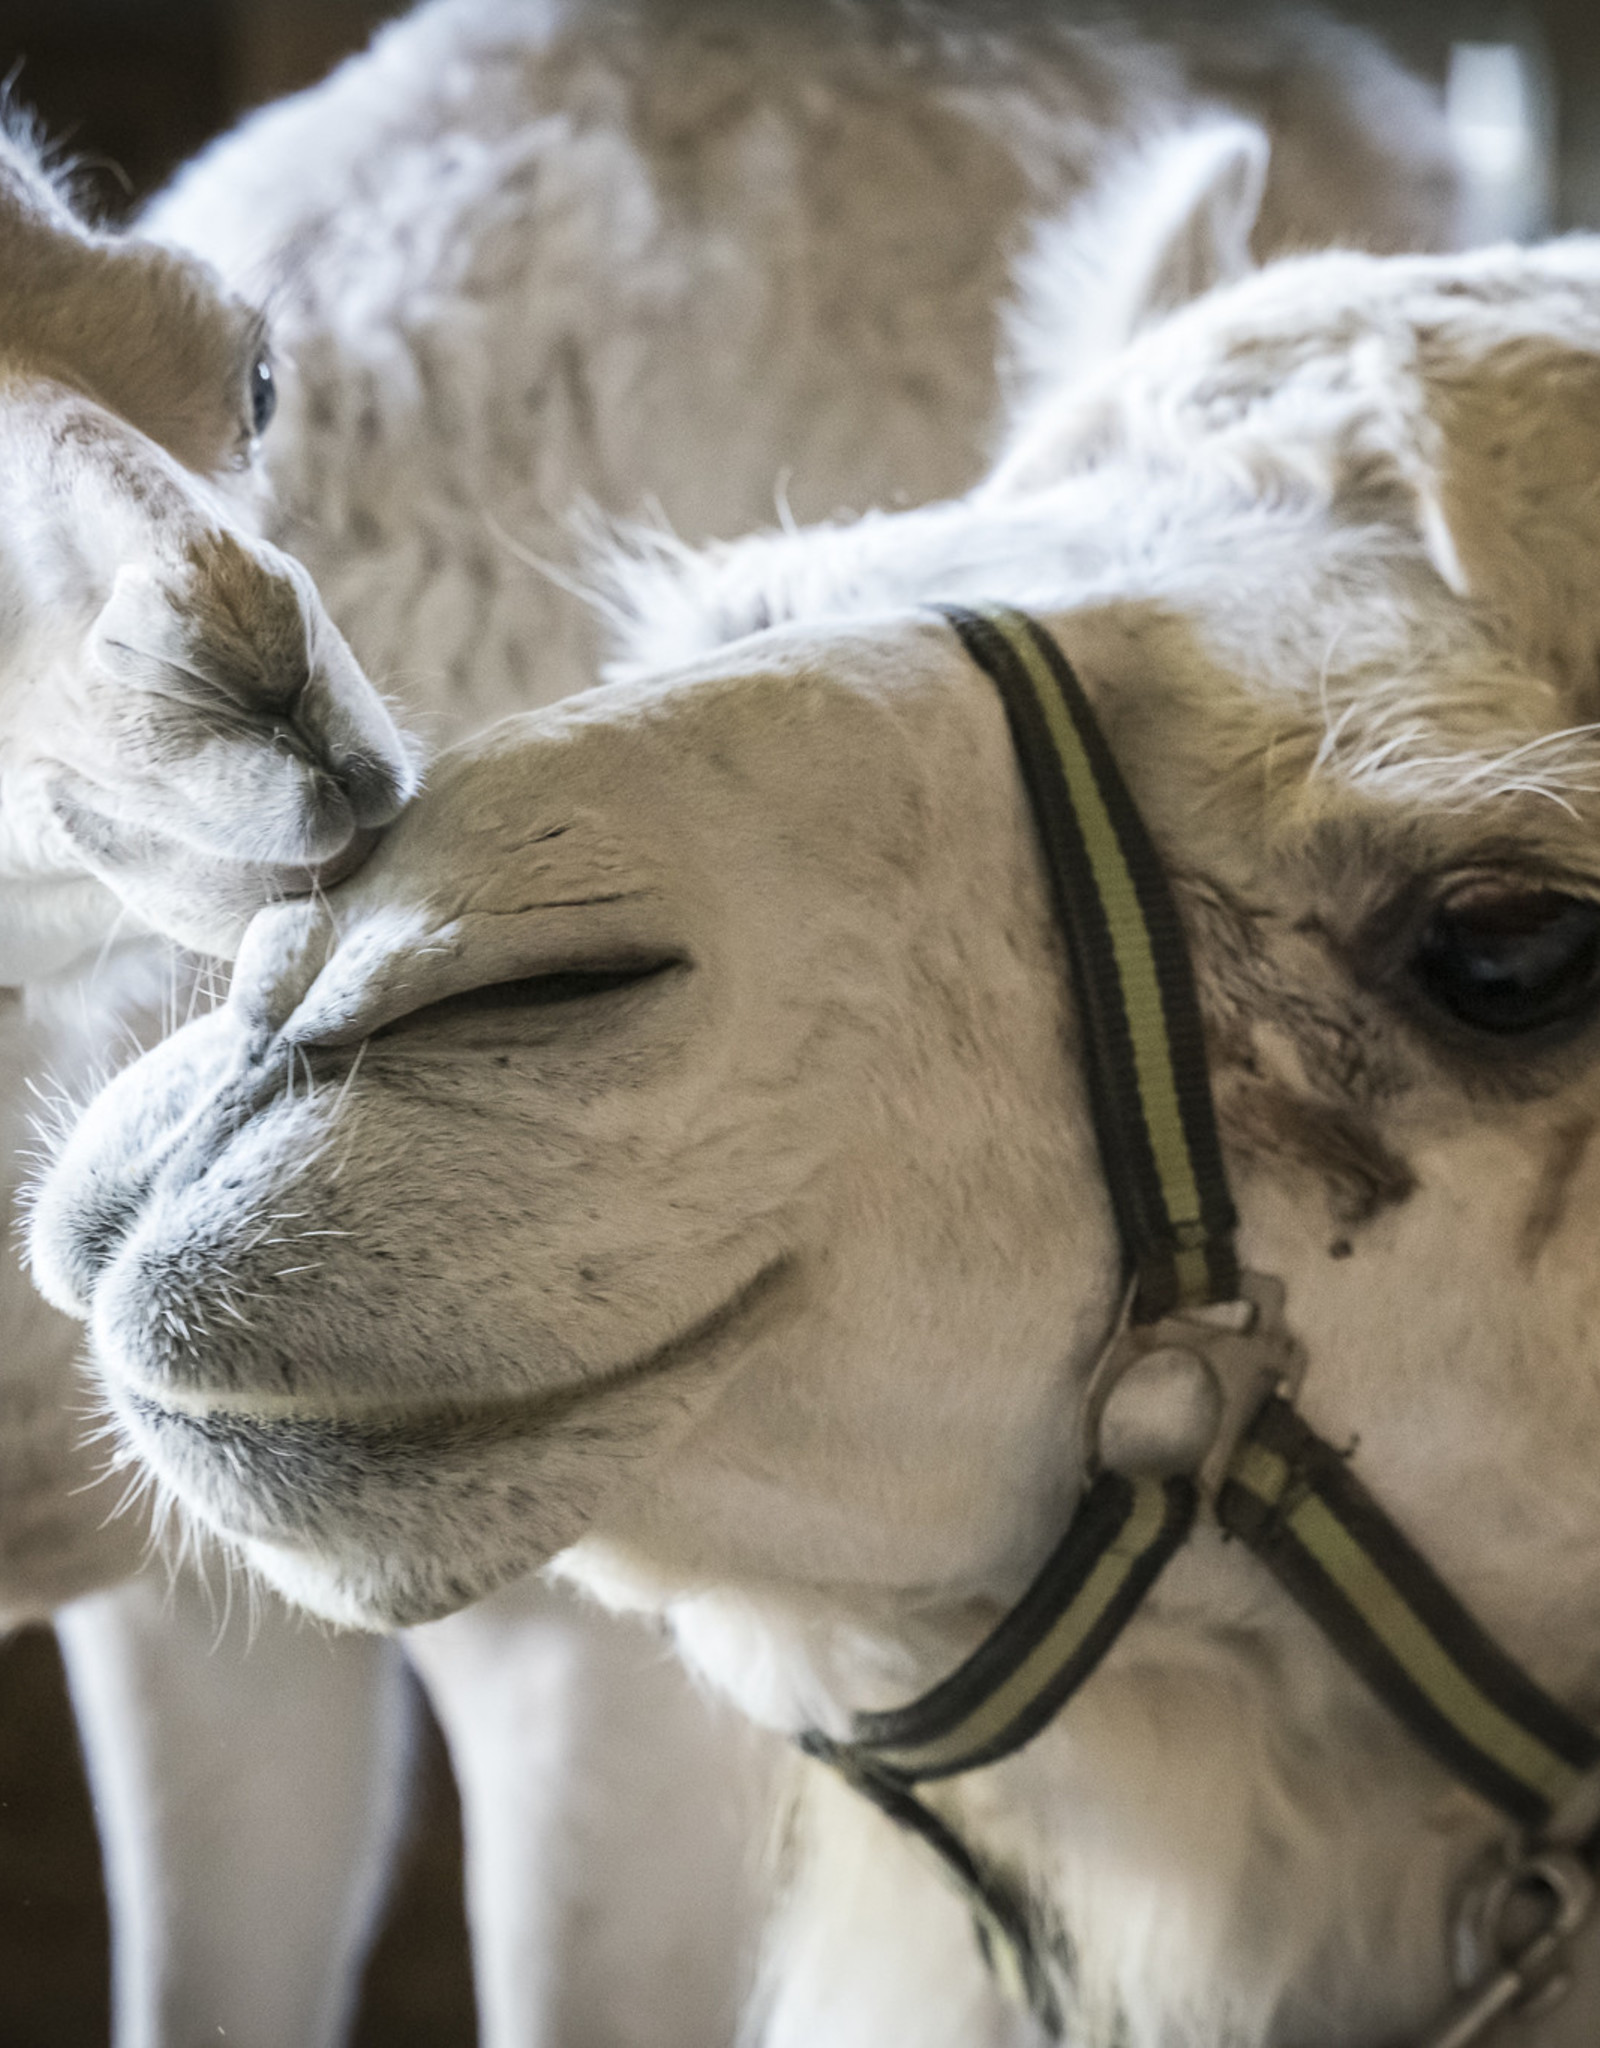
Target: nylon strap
x: 1016, y: 1681
x: 1133, y: 988
x: 1000, y: 1914
x: 1150, y: 1096
x: 1022, y: 1674
x: 1295, y: 1501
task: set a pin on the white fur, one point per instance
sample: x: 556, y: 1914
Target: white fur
x: 706, y: 261
x: 766, y: 1288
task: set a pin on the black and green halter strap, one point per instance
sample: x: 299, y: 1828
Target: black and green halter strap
x: 1268, y: 1479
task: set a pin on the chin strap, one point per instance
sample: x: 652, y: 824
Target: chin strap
x: 1017, y: 1679
x: 1267, y: 1479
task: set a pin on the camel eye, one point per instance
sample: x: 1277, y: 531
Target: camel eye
x: 564, y: 988
x: 263, y: 395
x: 1508, y: 960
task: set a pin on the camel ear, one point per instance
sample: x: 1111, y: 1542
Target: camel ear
x: 1171, y: 221
x: 1508, y: 497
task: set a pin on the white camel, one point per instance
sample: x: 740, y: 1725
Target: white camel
x: 185, y: 735
x: 689, y: 1086
x: 495, y: 294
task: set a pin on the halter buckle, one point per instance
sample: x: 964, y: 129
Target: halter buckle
x: 1244, y: 1349
x: 1512, y: 1938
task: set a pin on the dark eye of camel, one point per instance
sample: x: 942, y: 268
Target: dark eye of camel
x: 263, y: 395
x: 1507, y: 959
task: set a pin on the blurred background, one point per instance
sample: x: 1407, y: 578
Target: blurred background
x: 135, y: 86
x: 130, y: 88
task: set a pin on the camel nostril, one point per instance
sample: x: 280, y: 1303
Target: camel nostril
x: 96, y: 1241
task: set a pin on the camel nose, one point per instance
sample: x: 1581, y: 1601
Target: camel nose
x: 226, y: 673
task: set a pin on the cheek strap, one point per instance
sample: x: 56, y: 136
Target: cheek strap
x: 1143, y: 1045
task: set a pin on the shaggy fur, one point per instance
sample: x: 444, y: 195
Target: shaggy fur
x: 767, y: 1283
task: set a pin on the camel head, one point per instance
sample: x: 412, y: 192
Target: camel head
x: 183, y: 732
x: 671, y: 1150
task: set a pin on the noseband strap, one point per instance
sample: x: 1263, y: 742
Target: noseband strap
x: 1269, y: 1480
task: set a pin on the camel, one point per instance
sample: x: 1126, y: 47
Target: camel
x: 396, y: 475
x: 186, y: 736
x: 692, y: 1088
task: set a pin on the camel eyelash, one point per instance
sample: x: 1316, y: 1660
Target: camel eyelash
x: 564, y: 987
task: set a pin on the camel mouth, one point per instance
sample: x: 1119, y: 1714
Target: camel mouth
x: 274, y: 1425
x: 141, y: 856
x: 294, y: 883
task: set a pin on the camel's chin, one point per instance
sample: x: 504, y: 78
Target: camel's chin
x: 382, y: 1515
x: 375, y: 1594
x: 352, y: 1520
x: 360, y: 1587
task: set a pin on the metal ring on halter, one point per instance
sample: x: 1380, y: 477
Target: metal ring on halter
x: 1244, y: 1349
x: 1513, y: 1931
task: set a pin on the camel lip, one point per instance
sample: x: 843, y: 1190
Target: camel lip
x: 297, y: 882
x: 284, y: 1418
x: 186, y: 1404
x: 102, y: 835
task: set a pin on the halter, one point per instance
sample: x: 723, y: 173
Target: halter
x: 1266, y: 1478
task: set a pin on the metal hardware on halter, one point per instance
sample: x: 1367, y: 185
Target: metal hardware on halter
x: 1245, y: 1361
x: 1526, y: 1968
